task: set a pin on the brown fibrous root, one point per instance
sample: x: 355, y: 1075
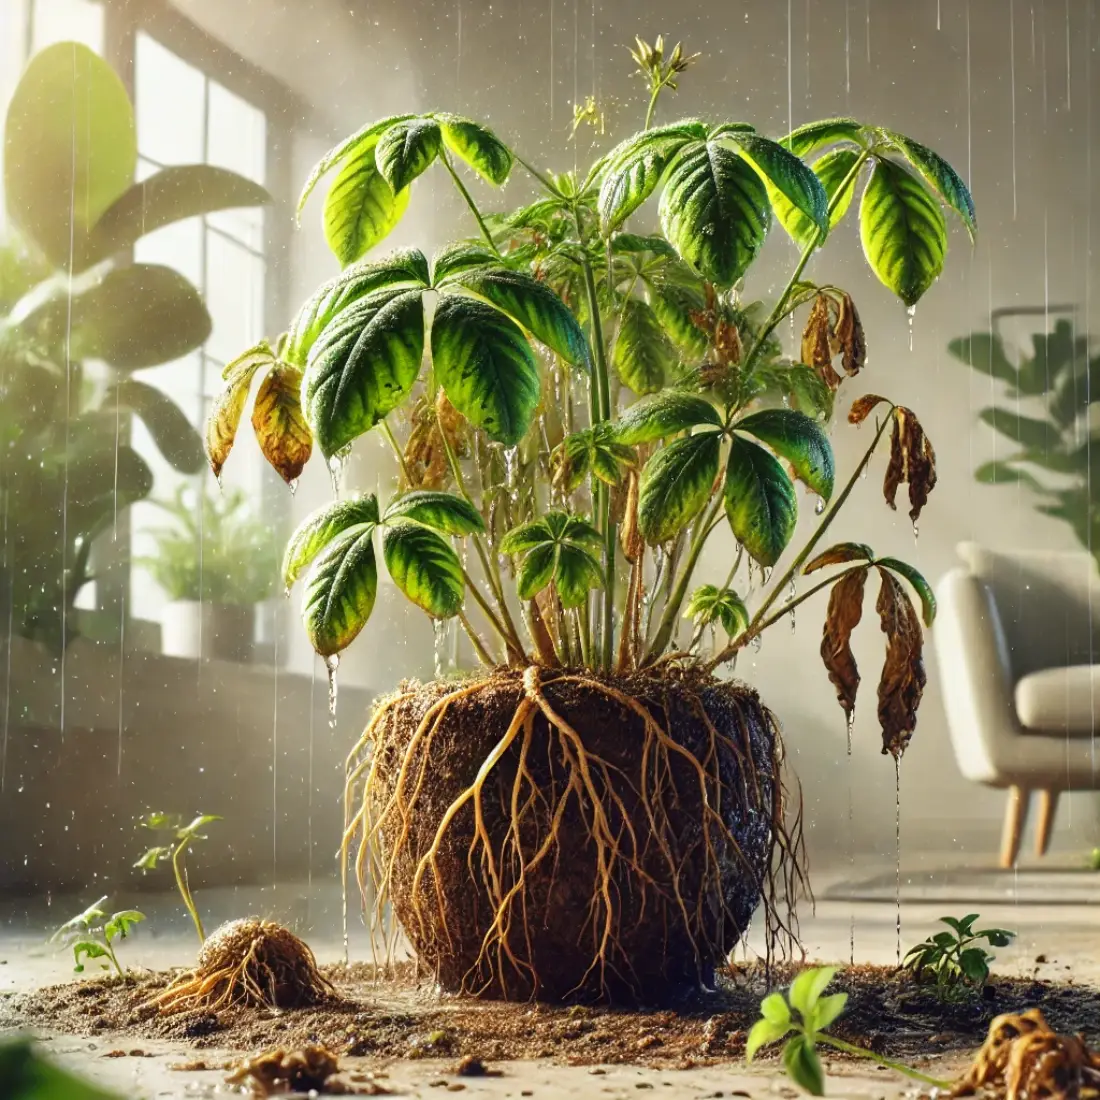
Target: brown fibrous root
x: 248, y: 962
x: 1023, y: 1058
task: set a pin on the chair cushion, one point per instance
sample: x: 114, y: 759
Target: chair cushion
x: 1060, y: 700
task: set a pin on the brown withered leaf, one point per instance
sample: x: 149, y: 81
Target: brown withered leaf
x: 839, y: 554
x: 845, y: 611
x: 630, y: 537
x: 817, y: 350
x: 912, y: 460
x: 727, y: 343
x: 225, y: 415
x: 862, y: 406
x: 279, y: 423
x: 849, y: 334
x: 425, y: 453
x: 903, y: 676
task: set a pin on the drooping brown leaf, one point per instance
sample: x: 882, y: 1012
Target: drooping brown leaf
x: 862, y: 406
x: 845, y: 611
x: 912, y: 460
x: 228, y: 408
x: 425, y: 453
x: 727, y: 343
x: 849, y: 334
x: 279, y: 423
x: 817, y: 350
x: 903, y: 676
x: 839, y: 554
x: 630, y: 536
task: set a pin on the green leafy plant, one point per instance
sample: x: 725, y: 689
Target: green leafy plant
x: 182, y: 837
x: 589, y: 402
x: 223, y: 554
x: 29, y: 1076
x: 80, y: 322
x: 1053, y: 454
x: 804, y: 1014
x: 91, y: 934
x: 954, y: 959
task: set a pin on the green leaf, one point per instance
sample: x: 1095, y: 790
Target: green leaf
x: 69, y: 147
x: 641, y: 354
x: 664, y: 414
x: 941, y: 177
x: 176, y: 439
x: 775, y: 1010
x: 808, y: 987
x: 29, y: 1076
x: 832, y: 170
x: 88, y: 949
x: 576, y: 572
x: 985, y: 352
x: 760, y: 1034
x: 533, y: 305
x: 922, y: 588
x: 813, y: 136
x: 82, y: 921
x: 340, y: 591
x: 1034, y: 434
x: 974, y: 964
x: 407, y: 266
x: 634, y: 169
x: 803, y: 1065
x: 405, y: 150
x: 526, y: 536
x: 676, y: 484
x: 798, y: 439
x: 1002, y: 473
x: 453, y: 515
x: 170, y: 195
x: 715, y: 211
x: 190, y: 831
x: 635, y: 242
x: 674, y: 302
x: 121, y: 923
x: 537, y: 570
x: 320, y: 527
x: 486, y: 367
x: 478, y: 146
x: 363, y: 365
x: 784, y: 173
x: 829, y: 1010
x: 709, y: 604
x: 997, y: 937
x: 456, y: 258
x: 360, y: 208
x: 760, y: 501
x: 425, y: 567
x: 150, y: 859
x: 903, y: 231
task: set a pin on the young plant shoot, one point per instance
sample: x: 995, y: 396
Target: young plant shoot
x: 954, y: 959
x: 91, y: 934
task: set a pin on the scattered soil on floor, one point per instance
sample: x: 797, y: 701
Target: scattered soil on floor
x: 400, y: 1017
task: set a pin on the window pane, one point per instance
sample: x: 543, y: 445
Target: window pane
x: 170, y: 101
x: 237, y: 140
x: 234, y: 296
x: 67, y: 21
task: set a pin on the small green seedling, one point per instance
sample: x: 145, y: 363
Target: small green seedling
x: 91, y: 934
x: 807, y: 1013
x: 1094, y: 859
x: 183, y: 836
x: 954, y: 958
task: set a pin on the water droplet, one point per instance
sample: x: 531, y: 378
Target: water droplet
x: 851, y: 722
x: 511, y: 467
x: 292, y: 485
x: 916, y: 531
x: 332, y: 663
x: 819, y: 507
x: 863, y: 473
x: 756, y: 643
x: 765, y: 574
x: 286, y: 592
x: 336, y: 464
x: 910, y: 313
x: 439, y: 627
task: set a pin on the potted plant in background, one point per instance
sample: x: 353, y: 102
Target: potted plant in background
x: 595, y: 812
x: 215, y: 566
x: 79, y: 323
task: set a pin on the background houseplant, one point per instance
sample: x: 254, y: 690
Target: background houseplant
x: 599, y: 770
x: 80, y: 323
x: 215, y: 563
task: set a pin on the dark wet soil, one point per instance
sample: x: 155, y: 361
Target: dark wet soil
x: 402, y: 1018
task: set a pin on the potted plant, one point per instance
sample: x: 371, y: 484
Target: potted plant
x: 215, y: 563
x: 79, y: 323
x: 596, y: 812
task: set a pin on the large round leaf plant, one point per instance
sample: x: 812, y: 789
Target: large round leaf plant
x: 583, y: 401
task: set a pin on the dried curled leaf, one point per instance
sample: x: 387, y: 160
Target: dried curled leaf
x: 279, y: 423
x: 839, y: 554
x: 862, y: 406
x: 225, y: 415
x: 903, y: 676
x: 817, y: 349
x: 425, y: 452
x: 845, y: 611
x: 912, y: 460
x: 849, y: 335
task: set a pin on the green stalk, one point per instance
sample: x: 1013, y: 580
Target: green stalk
x: 897, y: 1067
x: 185, y: 891
x: 479, y: 646
x: 652, y: 105
x: 111, y: 954
x: 469, y: 200
x: 387, y: 431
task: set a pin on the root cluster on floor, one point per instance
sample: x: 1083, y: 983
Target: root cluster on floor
x: 248, y: 962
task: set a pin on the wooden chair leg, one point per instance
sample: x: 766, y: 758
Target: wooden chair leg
x: 1019, y: 800
x: 1048, y: 807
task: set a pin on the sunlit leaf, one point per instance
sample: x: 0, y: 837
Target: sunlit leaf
x: 798, y: 439
x: 760, y: 501
x: 676, y: 483
x: 813, y: 136
x: 786, y: 175
x: 340, y: 590
x: 279, y: 423
x: 360, y: 208
x: 941, y: 177
x: 478, y: 146
x: 808, y: 987
x: 320, y: 527
x: 453, y: 515
x: 424, y: 566
x: 405, y: 150
x: 228, y: 407
x: 761, y: 1034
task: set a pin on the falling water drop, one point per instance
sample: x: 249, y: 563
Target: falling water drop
x: 756, y: 643
x: 910, y: 313
x: 439, y: 627
x: 916, y: 531
x: 765, y: 574
x: 511, y: 456
x: 897, y: 849
x: 292, y: 485
x: 332, y: 663
x: 863, y: 473
x: 819, y: 506
x: 792, y: 595
x: 850, y: 721
x: 336, y: 464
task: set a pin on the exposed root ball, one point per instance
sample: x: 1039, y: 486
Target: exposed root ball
x: 550, y: 834
x: 248, y: 962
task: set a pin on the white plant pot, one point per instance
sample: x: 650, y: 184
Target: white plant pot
x: 222, y: 631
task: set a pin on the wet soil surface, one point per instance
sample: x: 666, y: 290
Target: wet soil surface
x: 399, y: 1017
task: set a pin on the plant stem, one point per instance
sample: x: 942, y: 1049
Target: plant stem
x: 897, y: 1067
x: 185, y: 891
x: 387, y: 431
x: 540, y: 176
x: 469, y: 200
x: 652, y: 105
x: 111, y: 954
x: 479, y: 646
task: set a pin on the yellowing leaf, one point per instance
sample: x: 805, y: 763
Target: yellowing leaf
x: 279, y: 423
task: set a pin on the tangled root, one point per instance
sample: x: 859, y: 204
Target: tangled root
x: 248, y: 962
x: 1022, y: 1058
x: 542, y: 797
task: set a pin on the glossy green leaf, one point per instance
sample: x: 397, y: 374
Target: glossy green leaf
x: 1030, y: 432
x: 674, y: 303
x: 922, y: 588
x: 406, y: 149
x: 715, y: 211
x: 903, y: 232
x: 829, y: 1010
x: 784, y: 173
x: 641, y: 354
x: 800, y: 440
x: 760, y: 501
x: 165, y: 421
x: 453, y: 259
x: 526, y: 536
x: 363, y: 365
x: 832, y: 170
x: 478, y: 146
x: 453, y: 515
x: 709, y: 604
x: 666, y: 413
x: 813, y: 136
x: 576, y: 572
x: 424, y: 566
x: 537, y: 570
x: 761, y: 1034
x: 340, y: 590
x: 320, y: 527
x: 360, y: 208
x: 676, y: 484
x: 803, y: 1065
x: 807, y: 391
x: 533, y: 305
x: 486, y: 367
x: 808, y: 987
x: 405, y: 267
x: 88, y: 949
x: 774, y: 1009
x: 121, y: 924
x: 69, y: 147
x: 941, y: 177
x: 635, y: 242
x: 985, y: 352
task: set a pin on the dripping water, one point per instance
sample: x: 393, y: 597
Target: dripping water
x: 756, y: 643
x: 1012, y: 92
x: 332, y: 663
x: 439, y: 628
x: 275, y: 764
x: 792, y: 593
x: 910, y: 313
x: 819, y: 506
x: 292, y: 485
x: 850, y: 721
x: 765, y: 574
x: 897, y: 850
